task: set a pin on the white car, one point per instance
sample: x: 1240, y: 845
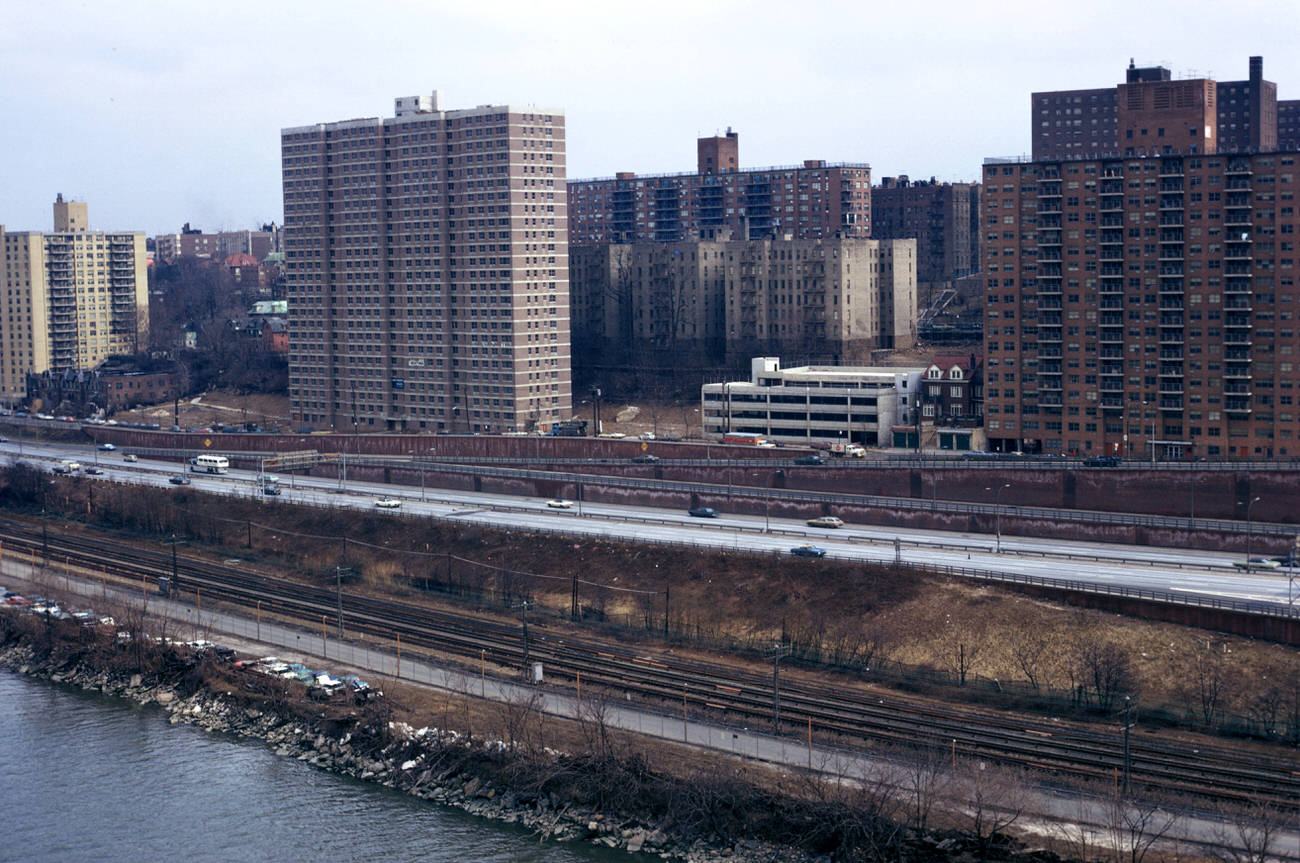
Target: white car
x: 1256, y: 563
x: 560, y: 503
x: 387, y: 503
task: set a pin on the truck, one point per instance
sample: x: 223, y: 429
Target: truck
x: 848, y: 450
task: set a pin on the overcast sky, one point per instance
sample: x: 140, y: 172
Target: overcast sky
x: 163, y: 113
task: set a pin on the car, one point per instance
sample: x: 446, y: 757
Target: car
x: 611, y: 435
x: 808, y: 551
x: 1102, y: 461
x: 825, y: 521
x: 132, y: 457
x: 44, y: 417
x: 387, y: 503
x: 107, y: 447
x: 703, y: 512
x: 93, y: 470
x: 1289, y: 560
x: 560, y: 503
x: 178, y: 479
x: 670, y: 436
x: 809, y: 459
x: 646, y: 436
x: 1256, y: 563
x: 270, y: 489
x: 646, y: 458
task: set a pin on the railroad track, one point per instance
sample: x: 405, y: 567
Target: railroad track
x: 723, y: 691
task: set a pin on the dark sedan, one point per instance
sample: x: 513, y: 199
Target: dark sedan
x: 703, y: 512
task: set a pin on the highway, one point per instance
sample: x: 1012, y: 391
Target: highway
x: 1180, y: 571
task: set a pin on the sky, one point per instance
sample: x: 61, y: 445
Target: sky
x: 158, y: 114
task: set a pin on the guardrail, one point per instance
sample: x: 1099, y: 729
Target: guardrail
x: 867, y: 501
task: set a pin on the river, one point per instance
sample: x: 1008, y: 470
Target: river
x: 85, y: 777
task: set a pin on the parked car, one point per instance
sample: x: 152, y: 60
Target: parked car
x: 809, y: 459
x: 132, y: 457
x: 703, y: 512
x: 1102, y: 461
x: 1256, y: 563
x: 179, y: 479
x: 646, y: 458
x: 825, y: 521
x: 107, y: 447
x: 560, y: 503
x: 387, y: 503
x: 808, y: 551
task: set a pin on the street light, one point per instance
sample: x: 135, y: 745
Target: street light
x: 997, y: 509
x: 1249, y: 505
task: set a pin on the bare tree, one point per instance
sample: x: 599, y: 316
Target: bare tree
x: 1103, y: 668
x: 961, y: 648
x: 1204, y: 684
x: 521, y: 720
x: 593, y: 723
x: 995, y: 800
x: 926, y: 778
x: 1030, y: 650
x: 1134, y: 826
x: 1247, y: 834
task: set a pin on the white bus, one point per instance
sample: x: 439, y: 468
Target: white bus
x: 209, y: 464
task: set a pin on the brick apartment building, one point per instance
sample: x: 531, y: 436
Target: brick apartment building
x: 1245, y: 116
x: 815, y: 200
x: 427, y: 269
x: 1145, y: 304
x: 707, y: 303
x: 191, y: 242
x: 944, y: 220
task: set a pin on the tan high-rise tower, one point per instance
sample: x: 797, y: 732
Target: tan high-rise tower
x: 71, y: 299
x: 427, y: 265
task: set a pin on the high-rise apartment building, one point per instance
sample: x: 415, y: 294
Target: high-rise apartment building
x: 427, y: 268
x: 72, y: 298
x: 1143, y: 306
x: 944, y: 220
x: 1152, y: 114
x: 815, y: 200
x: 705, y: 303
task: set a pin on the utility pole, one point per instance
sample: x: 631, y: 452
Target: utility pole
x: 523, y: 617
x: 1128, y: 706
x: 777, y: 652
x: 338, y: 590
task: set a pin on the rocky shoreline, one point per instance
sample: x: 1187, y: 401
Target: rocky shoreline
x: 409, y: 762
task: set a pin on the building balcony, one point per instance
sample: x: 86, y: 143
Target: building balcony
x: 1171, y: 202
x: 1171, y: 404
x: 1111, y: 354
x: 1242, y: 389
x: 1109, y: 302
x: 1171, y: 371
x: 1111, y: 337
x: 1110, y: 285
x: 1112, y: 386
x: 1236, y: 405
x: 1171, y: 354
x: 1236, y: 340
x: 1171, y: 168
x: 1237, y: 371
x: 1171, y: 337
x: 1109, y: 320
x: 1237, y: 166
x: 1049, y: 353
x: 1112, y: 403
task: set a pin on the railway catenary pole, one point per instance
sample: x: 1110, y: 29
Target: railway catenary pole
x: 777, y: 652
x: 1128, y: 706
